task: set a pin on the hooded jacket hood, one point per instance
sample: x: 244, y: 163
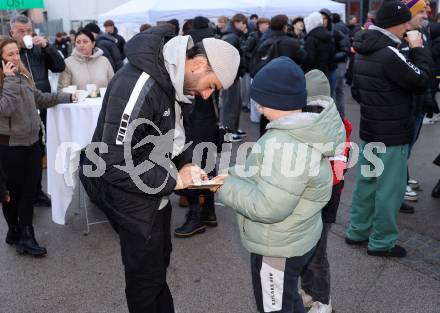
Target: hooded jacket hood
x: 104, y: 36
x: 317, y: 84
x: 316, y: 129
x: 85, y: 58
x: 230, y: 29
x: 374, y: 39
x: 174, y: 53
x: 313, y: 21
x: 144, y: 51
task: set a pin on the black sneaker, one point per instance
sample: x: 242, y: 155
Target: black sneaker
x: 355, y: 242
x: 241, y: 133
x: 236, y: 138
x: 395, y: 252
x: 436, y: 191
x: 406, y: 208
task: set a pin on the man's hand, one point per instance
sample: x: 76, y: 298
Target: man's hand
x: 188, y: 175
x: 415, y: 42
x: 40, y: 41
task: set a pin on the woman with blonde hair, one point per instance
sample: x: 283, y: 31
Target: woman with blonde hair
x: 20, y: 151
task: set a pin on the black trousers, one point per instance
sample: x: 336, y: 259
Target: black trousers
x: 275, y: 282
x: 146, y: 262
x: 21, y: 166
x: 315, y: 278
x: 43, y: 116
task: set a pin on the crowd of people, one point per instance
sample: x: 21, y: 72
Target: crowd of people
x: 291, y: 75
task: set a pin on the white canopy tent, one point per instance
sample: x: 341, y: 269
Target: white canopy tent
x: 129, y: 16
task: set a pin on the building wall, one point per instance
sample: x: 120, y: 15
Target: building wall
x: 78, y: 9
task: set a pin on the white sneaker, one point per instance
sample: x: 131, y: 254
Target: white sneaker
x: 410, y: 195
x: 307, y: 299
x: 427, y: 121
x: 414, y: 184
x: 318, y: 307
x: 436, y: 117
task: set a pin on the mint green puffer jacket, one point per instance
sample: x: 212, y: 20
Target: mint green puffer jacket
x: 286, y: 181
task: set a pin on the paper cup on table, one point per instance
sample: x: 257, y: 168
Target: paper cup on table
x: 91, y: 88
x: 412, y: 34
x: 70, y: 89
x: 102, y: 92
x: 81, y: 95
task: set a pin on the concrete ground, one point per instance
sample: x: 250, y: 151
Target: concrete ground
x: 210, y: 272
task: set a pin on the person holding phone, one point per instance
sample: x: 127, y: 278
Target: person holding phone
x: 38, y: 56
x: 20, y: 151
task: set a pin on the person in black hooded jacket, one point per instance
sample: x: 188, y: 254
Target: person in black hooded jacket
x: 318, y: 45
x: 139, y: 155
x: 112, y: 30
x: 384, y: 84
x: 203, y: 127
x: 108, y: 45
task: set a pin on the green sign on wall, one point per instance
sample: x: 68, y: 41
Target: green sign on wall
x: 21, y: 4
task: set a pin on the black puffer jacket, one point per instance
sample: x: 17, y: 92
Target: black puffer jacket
x: 289, y: 47
x: 111, y: 51
x: 39, y: 60
x: 384, y: 84
x: 115, y: 191
x: 120, y: 42
x: 234, y: 38
x: 320, y: 50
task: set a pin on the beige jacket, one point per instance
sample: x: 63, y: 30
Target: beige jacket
x: 82, y: 70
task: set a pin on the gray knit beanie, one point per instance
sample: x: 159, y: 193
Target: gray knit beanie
x: 224, y: 60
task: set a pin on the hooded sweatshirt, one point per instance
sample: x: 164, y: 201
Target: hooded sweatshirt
x: 287, y: 183
x: 82, y: 70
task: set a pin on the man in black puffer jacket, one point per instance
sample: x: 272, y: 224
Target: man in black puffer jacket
x: 41, y: 58
x: 112, y: 30
x: 384, y: 84
x: 141, y: 135
x: 108, y: 45
x: 318, y: 45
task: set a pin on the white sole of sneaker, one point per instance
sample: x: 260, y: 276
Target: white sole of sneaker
x: 411, y: 198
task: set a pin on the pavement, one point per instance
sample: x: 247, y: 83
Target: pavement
x: 209, y: 273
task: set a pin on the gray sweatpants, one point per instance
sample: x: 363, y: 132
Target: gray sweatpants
x: 340, y: 88
x: 231, y: 107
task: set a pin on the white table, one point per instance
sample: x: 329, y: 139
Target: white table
x: 70, y: 127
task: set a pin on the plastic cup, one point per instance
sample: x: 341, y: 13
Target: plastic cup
x: 28, y: 43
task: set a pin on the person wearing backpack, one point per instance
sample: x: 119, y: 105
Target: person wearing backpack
x: 277, y: 45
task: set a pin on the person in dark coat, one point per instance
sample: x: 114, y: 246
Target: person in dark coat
x: 108, y: 45
x: 318, y: 45
x: 38, y: 60
x: 62, y: 44
x: 384, y: 84
x: 112, y: 30
x: 231, y: 108
x: 202, y: 128
x: 152, y: 89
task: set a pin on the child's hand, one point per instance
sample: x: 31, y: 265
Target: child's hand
x: 220, y: 179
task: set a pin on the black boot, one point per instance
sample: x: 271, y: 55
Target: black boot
x: 208, y: 216
x: 436, y: 191
x: 13, y: 235
x: 192, y: 225
x: 42, y: 200
x: 28, y: 244
x: 406, y: 208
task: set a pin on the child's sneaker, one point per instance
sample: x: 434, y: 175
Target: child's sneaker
x: 410, y: 194
x: 307, y: 299
x: 318, y: 307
